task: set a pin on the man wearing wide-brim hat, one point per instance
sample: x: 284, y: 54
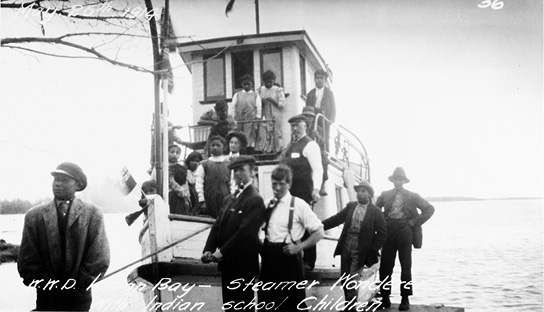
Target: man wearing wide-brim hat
x: 363, y: 234
x: 303, y: 156
x: 65, y: 241
x: 233, y: 241
x: 404, y: 230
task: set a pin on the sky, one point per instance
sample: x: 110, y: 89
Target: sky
x: 452, y: 91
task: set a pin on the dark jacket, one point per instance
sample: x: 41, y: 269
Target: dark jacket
x: 411, y: 202
x: 235, y: 232
x: 371, y: 237
x: 87, y: 253
x: 328, y: 106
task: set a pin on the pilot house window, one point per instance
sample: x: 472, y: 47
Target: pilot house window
x: 272, y: 60
x: 242, y: 64
x: 214, y: 77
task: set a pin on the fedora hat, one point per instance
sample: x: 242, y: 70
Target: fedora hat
x: 365, y: 184
x: 73, y: 171
x: 308, y: 111
x: 399, y: 173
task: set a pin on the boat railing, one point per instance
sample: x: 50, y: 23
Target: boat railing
x: 343, y: 147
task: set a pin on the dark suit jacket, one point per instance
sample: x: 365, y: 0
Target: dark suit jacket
x: 371, y: 237
x: 410, y: 203
x: 328, y: 106
x: 87, y: 253
x: 235, y: 232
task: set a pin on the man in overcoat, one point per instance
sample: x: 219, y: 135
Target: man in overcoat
x: 404, y: 230
x: 233, y: 241
x: 64, y: 248
x: 363, y: 235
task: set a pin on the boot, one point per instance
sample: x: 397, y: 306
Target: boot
x: 386, y: 303
x: 404, y: 304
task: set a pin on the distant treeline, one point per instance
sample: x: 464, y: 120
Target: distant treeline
x: 18, y: 206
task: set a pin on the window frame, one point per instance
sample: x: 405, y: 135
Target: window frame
x: 262, y: 53
x: 205, y: 59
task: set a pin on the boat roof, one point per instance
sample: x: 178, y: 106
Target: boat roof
x: 299, y: 38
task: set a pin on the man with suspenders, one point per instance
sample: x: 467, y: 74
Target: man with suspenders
x: 286, y: 219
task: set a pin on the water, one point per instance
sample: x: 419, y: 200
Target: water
x: 482, y: 255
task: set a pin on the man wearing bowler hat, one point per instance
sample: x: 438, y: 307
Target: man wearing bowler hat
x: 363, y: 234
x: 303, y: 156
x: 233, y: 241
x: 403, y: 230
x: 64, y: 248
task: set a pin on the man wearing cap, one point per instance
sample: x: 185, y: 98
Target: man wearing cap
x: 219, y: 119
x: 322, y: 99
x: 64, y: 244
x: 363, y: 234
x: 303, y: 156
x: 286, y: 220
x: 233, y: 241
x: 404, y: 229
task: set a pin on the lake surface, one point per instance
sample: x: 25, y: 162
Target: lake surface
x: 481, y: 255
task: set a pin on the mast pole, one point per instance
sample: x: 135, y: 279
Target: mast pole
x: 257, y: 16
x: 156, y: 87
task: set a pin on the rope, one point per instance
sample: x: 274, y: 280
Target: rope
x: 156, y: 252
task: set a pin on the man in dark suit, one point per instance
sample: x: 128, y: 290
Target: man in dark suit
x: 64, y: 247
x: 404, y: 229
x: 363, y: 235
x: 322, y: 99
x: 233, y: 241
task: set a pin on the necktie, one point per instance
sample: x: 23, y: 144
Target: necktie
x: 63, y: 207
x: 268, y: 212
x: 238, y: 191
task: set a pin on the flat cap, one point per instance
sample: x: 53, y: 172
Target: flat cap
x: 73, y: 171
x: 240, y: 161
x: 321, y: 72
x: 297, y: 118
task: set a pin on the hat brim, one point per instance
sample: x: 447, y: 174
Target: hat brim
x: 297, y: 118
x: 58, y: 171
x: 406, y: 180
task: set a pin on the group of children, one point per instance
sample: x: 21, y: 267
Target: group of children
x: 265, y: 106
x: 197, y: 187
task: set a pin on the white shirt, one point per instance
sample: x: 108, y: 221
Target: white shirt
x: 303, y: 218
x: 313, y: 153
x: 318, y: 97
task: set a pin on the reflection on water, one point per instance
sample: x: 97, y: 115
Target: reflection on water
x: 481, y: 255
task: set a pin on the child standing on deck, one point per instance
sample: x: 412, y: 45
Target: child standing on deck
x: 212, y: 179
x: 273, y: 101
x: 246, y: 106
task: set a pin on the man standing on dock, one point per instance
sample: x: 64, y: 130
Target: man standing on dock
x: 233, y: 241
x: 286, y: 219
x: 403, y: 230
x: 64, y: 249
x: 303, y: 156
